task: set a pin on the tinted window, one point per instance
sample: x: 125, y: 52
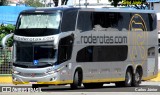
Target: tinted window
x: 65, y: 49
x: 84, y: 21
x: 36, y: 32
x: 102, y: 53
x: 115, y: 21
x: 69, y: 21
x: 109, y: 20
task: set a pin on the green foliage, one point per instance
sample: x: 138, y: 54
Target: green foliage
x: 115, y: 2
x: 34, y: 3
x: 3, y: 2
x: 4, y: 30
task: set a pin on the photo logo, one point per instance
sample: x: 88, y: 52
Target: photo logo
x: 6, y: 89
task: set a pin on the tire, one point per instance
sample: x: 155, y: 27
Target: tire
x: 93, y: 85
x: 76, y: 81
x: 128, y: 80
x: 137, y: 77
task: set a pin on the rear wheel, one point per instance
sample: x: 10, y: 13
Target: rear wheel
x: 137, y: 77
x: 128, y: 80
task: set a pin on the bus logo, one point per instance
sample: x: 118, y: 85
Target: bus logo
x: 33, y: 75
x: 35, y: 62
x: 138, y: 38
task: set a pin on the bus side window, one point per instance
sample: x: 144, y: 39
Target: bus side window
x: 151, y: 52
x: 84, y: 21
x: 65, y: 49
x: 85, y: 54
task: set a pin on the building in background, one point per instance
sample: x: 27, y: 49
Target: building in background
x: 16, y: 3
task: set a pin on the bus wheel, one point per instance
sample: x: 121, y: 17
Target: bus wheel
x: 137, y: 78
x: 128, y: 78
x: 76, y: 81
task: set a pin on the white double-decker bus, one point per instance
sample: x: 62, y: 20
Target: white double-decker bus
x: 89, y: 46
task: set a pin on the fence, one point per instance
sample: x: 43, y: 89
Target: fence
x: 5, y: 61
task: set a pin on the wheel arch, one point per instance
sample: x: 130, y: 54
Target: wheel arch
x: 130, y: 67
x: 140, y: 69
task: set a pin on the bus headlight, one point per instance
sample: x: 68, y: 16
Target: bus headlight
x: 15, y: 72
x: 51, y: 72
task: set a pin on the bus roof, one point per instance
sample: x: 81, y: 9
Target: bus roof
x: 50, y: 10
x: 128, y: 10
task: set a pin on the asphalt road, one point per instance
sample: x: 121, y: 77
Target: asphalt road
x: 146, y: 88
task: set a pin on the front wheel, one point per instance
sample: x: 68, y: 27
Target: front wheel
x: 76, y: 81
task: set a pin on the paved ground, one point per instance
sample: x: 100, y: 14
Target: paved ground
x: 146, y: 88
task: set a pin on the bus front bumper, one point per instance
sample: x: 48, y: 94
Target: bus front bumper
x: 48, y: 79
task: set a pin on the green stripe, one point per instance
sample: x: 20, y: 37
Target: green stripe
x: 5, y: 75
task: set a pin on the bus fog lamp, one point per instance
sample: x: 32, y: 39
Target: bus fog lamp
x: 51, y: 72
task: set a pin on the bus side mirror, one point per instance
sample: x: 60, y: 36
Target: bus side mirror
x: 4, y: 40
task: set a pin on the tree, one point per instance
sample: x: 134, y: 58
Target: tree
x: 63, y: 2
x: 34, y: 3
x: 3, y: 2
x: 4, y: 30
x: 115, y: 2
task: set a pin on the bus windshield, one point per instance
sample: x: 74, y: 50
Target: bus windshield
x: 39, y: 21
x: 38, y: 24
x: 43, y: 53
